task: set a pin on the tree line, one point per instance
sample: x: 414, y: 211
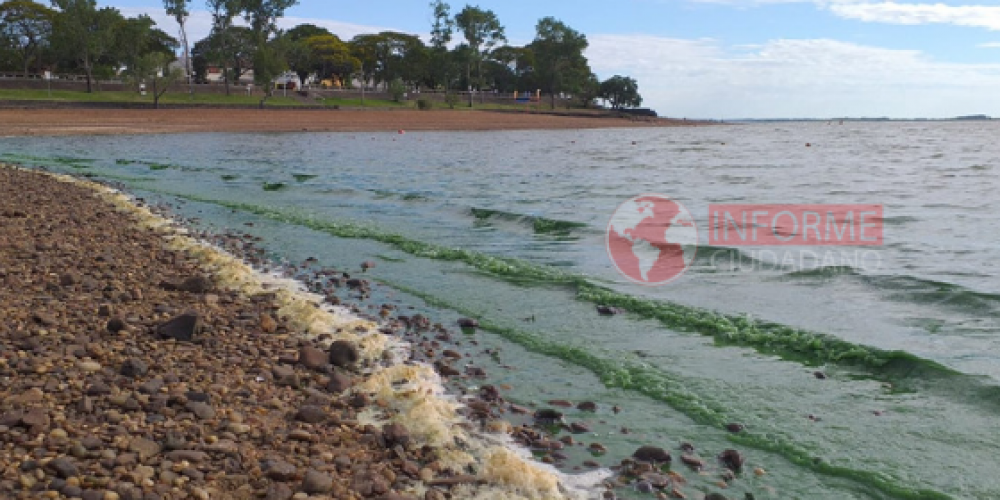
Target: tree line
x: 467, y: 51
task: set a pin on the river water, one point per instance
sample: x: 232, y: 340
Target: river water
x: 509, y: 227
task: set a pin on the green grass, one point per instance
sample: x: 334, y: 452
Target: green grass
x: 238, y: 98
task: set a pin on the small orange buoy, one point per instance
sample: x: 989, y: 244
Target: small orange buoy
x: 401, y: 131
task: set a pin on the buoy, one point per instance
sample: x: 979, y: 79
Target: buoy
x: 401, y: 131
x: 808, y: 145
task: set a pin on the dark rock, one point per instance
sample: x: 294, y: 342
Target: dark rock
x: 312, y: 358
x: 285, y: 376
x: 311, y: 415
x: 278, y: 491
x: 280, y: 470
x: 184, y: 327
x: 489, y: 393
x: 187, y: 455
x: 343, y: 354
x: 692, y: 461
x: 819, y: 375
x: 134, y: 368
x: 315, y: 482
x: 358, y: 400
x: 396, y: 434
x: 36, y: 417
x: 201, y: 410
x: 548, y: 416
x: 608, y: 310
x: 116, y: 325
x: 152, y: 386
x: 468, y: 323
x: 732, y: 460
x: 652, y: 454
x: 579, y: 428
x: 715, y: 496
x: 63, y: 467
x: 195, y: 284
x: 98, y: 388
x: 587, y: 406
x: 338, y: 383
x: 735, y: 428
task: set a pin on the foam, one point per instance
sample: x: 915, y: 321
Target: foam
x: 413, y: 394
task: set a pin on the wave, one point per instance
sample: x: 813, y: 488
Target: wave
x: 540, y: 225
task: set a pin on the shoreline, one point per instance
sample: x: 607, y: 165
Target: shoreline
x: 27, y: 122
x: 126, y: 399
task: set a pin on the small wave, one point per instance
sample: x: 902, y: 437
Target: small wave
x: 540, y: 225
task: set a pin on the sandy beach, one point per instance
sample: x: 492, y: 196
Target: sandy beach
x: 14, y: 122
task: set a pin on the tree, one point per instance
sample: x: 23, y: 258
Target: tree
x: 154, y: 67
x: 231, y: 49
x: 621, y: 92
x: 136, y: 38
x: 482, y: 31
x: 440, y: 62
x: 223, y: 12
x: 179, y: 10
x: 332, y: 57
x: 560, y: 65
x: 25, y: 26
x: 85, y: 34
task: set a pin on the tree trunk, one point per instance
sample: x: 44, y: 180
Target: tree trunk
x: 156, y: 95
x: 187, y: 59
x: 87, y: 69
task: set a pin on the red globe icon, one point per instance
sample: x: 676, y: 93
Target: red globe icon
x: 652, y: 239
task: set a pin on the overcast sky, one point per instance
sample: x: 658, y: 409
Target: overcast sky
x: 734, y: 58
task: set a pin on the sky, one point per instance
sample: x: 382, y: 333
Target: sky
x: 731, y: 59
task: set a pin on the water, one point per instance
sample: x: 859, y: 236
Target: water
x: 508, y: 227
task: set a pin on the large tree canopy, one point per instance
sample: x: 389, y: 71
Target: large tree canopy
x: 621, y: 92
x: 25, y: 27
x: 560, y: 65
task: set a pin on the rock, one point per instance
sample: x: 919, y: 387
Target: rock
x: 652, y: 454
x: 715, y: 496
x: 366, y: 265
x: 587, y: 406
x: 268, y: 324
x: 285, y: 376
x: 343, y: 354
x: 134, y: 368
x: 280, y: 470
x: 195, y: 284
x: 311, y: 415
x: 152, y: 386
x: 608, y: 310
x: 732, y: 460
x: 187, y: 456
x: 116, y: 325
x: 468, y: 323
x: 36, y: 417
x: 548, y: 416
x: 203, y: 411
x: 579, y: 428
x: 183, y: 328
x: 144, y: 448
x: 312, y: 358
x: 338, y: 383
x: 735, y: 428
x: 278, y: 491
x: 63, y: 467
x: 819, y: 375
x: 316, y: 483
x: 396, y: 434
x: 89, y: 366
x: 692, y: 461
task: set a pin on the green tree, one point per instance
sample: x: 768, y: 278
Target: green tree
x: 440, y: 62
x: 25, y: 27
x: 482, y: 32
x: 621, y: 92
x: 85, y: 34
x: 136, y: 38
x: 303, y: 31
x: 154, y: 68
x: 332, y: 57
x: 560, y: 65
x: 231, y: 49
x: 179, y: 10
x: 220, y: 45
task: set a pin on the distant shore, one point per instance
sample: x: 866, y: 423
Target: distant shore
x: 29, y: 121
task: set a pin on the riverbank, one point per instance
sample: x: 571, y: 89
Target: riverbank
x: 138, y: 363
x: 19, y: 122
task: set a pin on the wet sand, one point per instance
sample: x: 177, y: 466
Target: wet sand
x: 15, y: 122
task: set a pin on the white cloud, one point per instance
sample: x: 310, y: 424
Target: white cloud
x: 794, y: 78
x: 979, y: 16
x: 989, y: 45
